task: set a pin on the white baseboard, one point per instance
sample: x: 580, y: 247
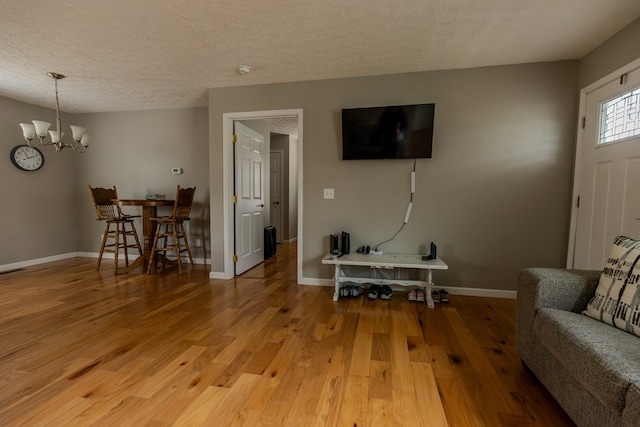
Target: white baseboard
x: 32, y: 262
x: 219, y: 276
x: 29, y: 263
x: 135, y: 254
x: 295, y: 239
x: 311, y: 281
x: 479, y: 292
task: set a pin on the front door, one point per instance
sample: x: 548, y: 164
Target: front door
x: 249, y: 192
x: 609, y: 171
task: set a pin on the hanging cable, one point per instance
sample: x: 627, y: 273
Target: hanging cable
x: 408, y: 212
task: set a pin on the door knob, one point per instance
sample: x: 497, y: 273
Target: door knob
x: 276, y: 203
x: 261, y: 205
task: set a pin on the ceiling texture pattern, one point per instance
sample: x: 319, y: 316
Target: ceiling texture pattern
x: 121, y: 55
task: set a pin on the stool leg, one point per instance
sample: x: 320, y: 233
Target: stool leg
x: 176, y: 246
x: 104, y: 241
x: 152, y: 258
x: 135, y: 236
x: 116, y: 249
x: 186, y: 244
x: 165, y: 244
x: 125, y: 244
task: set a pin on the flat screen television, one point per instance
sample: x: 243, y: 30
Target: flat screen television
x: 391, y: 132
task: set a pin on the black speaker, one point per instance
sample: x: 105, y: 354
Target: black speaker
x: 345, y: 242
x: 432, y: 253
x: 333, y: 244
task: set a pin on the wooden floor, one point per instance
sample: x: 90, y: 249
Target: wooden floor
x: 79, y: 347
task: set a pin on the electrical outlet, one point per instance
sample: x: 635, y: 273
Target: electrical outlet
x: 176, y: 171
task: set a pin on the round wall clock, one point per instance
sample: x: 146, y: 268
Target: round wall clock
x: 27, y: 158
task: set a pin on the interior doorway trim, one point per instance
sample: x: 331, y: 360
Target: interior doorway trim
x: 227, y: 182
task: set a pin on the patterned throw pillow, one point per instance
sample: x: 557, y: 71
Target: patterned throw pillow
x: 617, y: 298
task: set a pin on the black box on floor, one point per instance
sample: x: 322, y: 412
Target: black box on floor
x: 269, y: 242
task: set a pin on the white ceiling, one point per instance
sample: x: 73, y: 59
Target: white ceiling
x: 123, y: 55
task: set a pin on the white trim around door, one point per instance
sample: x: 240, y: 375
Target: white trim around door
x: 577, y: 169
x: 227, y: 182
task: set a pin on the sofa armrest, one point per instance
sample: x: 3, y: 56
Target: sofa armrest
x: 631, y: 412
x: 562, y: 289
x: 558, y: 288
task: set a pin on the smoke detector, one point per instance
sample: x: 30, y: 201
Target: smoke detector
x: 244, y: 69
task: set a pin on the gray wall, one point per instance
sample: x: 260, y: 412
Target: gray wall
x: 616, y: 52
x: 38, y: 208
x: 135, y: 151
x: 495, y: 196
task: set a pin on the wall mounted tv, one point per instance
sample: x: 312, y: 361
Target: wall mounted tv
x: 391, y: 132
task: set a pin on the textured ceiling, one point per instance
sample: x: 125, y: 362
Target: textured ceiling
x: 123, y: 55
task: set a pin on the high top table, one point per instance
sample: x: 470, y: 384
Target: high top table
x: 386, y: 262
x: 149, y: 210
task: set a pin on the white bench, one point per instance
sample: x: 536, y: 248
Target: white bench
x: 386, y: 262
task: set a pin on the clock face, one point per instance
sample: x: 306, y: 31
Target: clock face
x: 27, y: 158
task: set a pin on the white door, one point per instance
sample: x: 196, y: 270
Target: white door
x: 249, y: 191
x: 276, y: 189
x: 609, y: 177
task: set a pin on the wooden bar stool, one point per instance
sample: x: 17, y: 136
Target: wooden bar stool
x: 172, y: 226
x: 122, y: 224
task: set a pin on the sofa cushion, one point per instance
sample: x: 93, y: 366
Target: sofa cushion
x: 603, y: 359
x: 617, y: 298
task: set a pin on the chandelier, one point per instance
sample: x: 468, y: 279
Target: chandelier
x: 39, y: 128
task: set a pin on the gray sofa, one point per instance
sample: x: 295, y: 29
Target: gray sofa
x: 591, y: 369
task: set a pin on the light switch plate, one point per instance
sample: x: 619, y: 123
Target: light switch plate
x: 328, y: 193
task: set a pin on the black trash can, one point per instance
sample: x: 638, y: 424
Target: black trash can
x: 269, y: 242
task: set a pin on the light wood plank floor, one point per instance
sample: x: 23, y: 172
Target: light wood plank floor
x: 78, y: 347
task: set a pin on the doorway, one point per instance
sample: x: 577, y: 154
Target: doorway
x: 228, y: 180
x: 607, y: 168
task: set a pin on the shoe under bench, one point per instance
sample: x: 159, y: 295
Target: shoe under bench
x: 385, y: 262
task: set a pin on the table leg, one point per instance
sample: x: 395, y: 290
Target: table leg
x: 429, y: 289
x: 148, y: 231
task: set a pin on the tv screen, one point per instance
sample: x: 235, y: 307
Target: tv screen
x: 393, y: 132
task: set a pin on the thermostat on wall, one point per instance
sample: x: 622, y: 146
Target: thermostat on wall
x: 176, y: 171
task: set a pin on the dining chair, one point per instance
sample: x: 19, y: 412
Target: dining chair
x: 170, y: 233
x: 119, y: 227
